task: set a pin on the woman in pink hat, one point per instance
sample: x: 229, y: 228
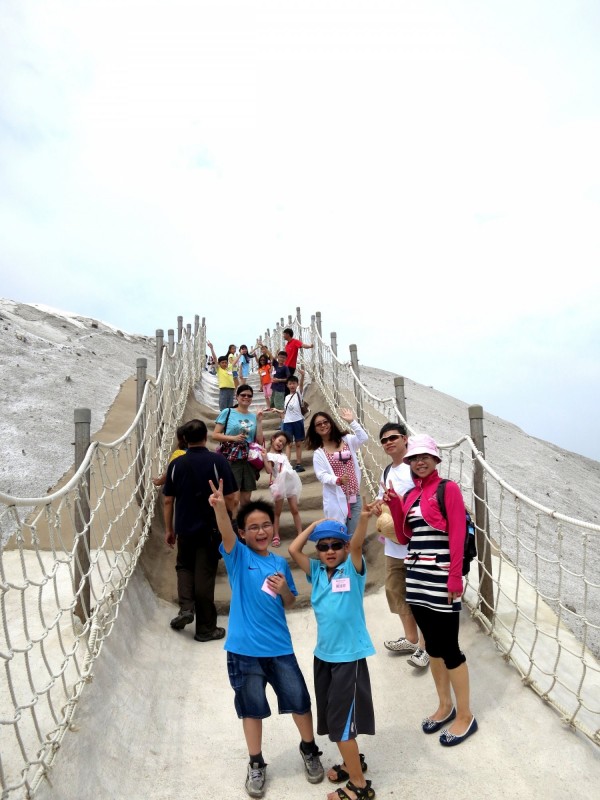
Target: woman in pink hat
x: 434, y: 584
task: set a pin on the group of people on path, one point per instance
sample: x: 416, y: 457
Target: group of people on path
x: 216, y: 517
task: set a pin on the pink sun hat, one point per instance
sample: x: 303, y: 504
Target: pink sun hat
x: 420, y: 444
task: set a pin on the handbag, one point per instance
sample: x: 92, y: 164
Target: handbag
x: 255, y: 456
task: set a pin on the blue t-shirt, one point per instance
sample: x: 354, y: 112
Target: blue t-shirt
x: 341, y: 627
x: 280, y: 372
x: 244, y: 363
x: 236, y: 423
x: 257, y: 623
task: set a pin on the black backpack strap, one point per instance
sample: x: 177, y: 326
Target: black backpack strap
x: 439, y: 496
x: 226, y: 420
x: 386, y: 472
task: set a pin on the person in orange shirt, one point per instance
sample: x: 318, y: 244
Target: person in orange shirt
x: 264, y: 370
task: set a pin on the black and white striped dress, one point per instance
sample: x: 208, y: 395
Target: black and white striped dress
x: 427, y: 565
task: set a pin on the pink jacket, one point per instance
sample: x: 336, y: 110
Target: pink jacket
x: 455, y: 526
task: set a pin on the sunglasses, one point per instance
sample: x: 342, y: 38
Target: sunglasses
x: 393, y: 437
x: 322, y: 423
x: 323, y: 548
x: 245, y: 396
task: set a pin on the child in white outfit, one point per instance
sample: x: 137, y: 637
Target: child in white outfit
x: 284, y: 482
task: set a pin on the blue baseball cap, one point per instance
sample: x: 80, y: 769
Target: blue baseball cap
x: 330, y: 529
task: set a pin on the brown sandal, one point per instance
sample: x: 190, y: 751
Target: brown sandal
x: 342, y: 775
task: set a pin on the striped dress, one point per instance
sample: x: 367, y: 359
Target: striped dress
x: 427, y: 565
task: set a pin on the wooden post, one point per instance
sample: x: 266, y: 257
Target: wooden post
x: 400, y: 396
x: 336, y: 380
x: 482, y: 526
x: 179, y: 328
x: 318, y: 346
x: 188, y: 330
x: 141, y: 366
x: 83, y: 419
x: 289, y: 320
x: 357, y: 390
x: 298, y: 317
x: 171, y: 334
x: 160, y: 340
x: 196, y: 325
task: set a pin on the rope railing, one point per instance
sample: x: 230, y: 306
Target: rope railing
x: 540, y: 564
x: 536, y: 586
x: 61, y: 581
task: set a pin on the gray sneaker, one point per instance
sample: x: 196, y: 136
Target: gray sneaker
x: 255, y: 782
x: 400, y: 645
x: 419, y: 658
x: 312, y: 764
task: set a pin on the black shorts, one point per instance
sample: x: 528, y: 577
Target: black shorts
x: 344, y: 701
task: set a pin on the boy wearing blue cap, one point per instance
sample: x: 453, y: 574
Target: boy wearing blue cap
x: 342, y: 684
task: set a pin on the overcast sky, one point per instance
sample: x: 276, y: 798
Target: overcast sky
x: 425, y: 174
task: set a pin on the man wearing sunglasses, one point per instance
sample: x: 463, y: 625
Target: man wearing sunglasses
x: 393, y: 438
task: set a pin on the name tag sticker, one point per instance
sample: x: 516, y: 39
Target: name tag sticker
x: 340, y: 585
x: 266, y: 588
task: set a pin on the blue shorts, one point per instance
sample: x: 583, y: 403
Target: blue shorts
x: 249, y: 675
x: 295, y: 430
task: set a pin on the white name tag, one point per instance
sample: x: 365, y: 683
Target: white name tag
x: 340, y: 585
x: 266, y: 588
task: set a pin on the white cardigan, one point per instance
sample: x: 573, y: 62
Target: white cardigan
x: 335, y: 503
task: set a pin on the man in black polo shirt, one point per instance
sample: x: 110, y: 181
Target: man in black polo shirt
x: 196, y: 531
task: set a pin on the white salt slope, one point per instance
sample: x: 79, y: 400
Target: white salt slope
x: 53, y: 362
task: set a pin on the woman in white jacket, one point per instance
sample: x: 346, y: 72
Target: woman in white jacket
x: 336, y: 465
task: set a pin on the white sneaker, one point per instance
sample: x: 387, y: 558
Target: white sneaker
x: 401, y: 645
x: 419, y: 658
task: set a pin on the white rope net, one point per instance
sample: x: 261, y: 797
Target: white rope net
x: 535, y: 588
x: 62, y: 578
x: 536, y: 585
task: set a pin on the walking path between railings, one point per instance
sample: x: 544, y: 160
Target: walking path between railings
x: 158, y: 722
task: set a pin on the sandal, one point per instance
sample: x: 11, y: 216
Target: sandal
x: 366, y: 793
x: 342, y: 775
x: 276, y: 541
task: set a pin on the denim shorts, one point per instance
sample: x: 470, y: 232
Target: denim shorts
x: 249, y: 675
x: 295, y: 430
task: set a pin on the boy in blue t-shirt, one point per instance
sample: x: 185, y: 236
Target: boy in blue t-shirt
x: 342, y: 683
x: 259, y: 644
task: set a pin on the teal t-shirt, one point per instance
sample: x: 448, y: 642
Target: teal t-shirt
x: 257, y: 624
x: 342, y: 633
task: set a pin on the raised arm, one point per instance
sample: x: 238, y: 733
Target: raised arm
x: 212, y: 351
x: 358, y: 539
x: 217, y: 501
x: 296, y: 547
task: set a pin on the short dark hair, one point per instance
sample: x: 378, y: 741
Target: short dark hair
x: 254, y: 505
x: 292, y: 379
x: 393, y: 426
x: 282, y: 353
x: 195, y: 431
x: 289, y: 330
x: 243, y: 387
x: 222, y: 358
